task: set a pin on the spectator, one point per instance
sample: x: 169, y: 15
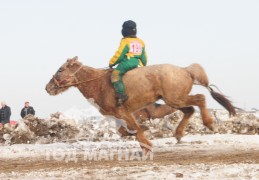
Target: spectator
x: 5, y: 113
x: 27, y: 110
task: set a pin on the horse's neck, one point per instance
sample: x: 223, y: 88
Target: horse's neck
x: 94, y: 79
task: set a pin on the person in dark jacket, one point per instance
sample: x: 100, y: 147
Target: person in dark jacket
x: 27, y: 110
x: 5, y: 113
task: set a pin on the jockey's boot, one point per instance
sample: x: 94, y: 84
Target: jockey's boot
x: 121, y: 98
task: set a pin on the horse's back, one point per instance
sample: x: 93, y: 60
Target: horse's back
x: 155, y: 69
x: 158, y: 79
x: 161, y: 72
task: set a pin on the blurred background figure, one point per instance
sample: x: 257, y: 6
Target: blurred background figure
x: 27, y: 109
x: 5, y: 113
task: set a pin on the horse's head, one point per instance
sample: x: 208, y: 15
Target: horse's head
x: 64, y: 77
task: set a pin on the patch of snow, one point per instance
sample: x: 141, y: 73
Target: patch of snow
x: 88, y: 114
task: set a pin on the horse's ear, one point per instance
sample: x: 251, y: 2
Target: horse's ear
x: 75, y: 58
x: 72, y: 61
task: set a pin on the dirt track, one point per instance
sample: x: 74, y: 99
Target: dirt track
x: 160, y: 158
x: 176, y: 160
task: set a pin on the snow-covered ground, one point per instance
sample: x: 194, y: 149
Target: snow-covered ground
x: 81, y: 144
x: 74, y: 161
x: 216, y: 141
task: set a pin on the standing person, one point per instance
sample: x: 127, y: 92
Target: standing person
x: 27, y: 109
x: 130, y: 54
x: 5, y: 113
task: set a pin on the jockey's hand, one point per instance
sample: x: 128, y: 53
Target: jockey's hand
x: 110, y: 66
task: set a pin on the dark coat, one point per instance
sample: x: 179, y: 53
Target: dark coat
x: 25, y: 111
x: 5, y: 114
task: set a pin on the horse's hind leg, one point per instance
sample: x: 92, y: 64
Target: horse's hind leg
x: 188, y: 112
x: 199, y: 100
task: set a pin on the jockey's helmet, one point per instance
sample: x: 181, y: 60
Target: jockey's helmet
x: 129, y: 28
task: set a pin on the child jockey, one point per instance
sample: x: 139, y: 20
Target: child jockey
x: 130, y: 55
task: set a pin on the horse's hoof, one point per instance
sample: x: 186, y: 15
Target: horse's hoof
x: 146, y: 152
x: 146, y: 149
x: 123, y: 132
x: 178, y: 137
x: 212, y: 127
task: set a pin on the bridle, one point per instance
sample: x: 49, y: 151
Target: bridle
x: 59, y: 83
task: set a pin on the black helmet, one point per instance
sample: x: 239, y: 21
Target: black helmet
x: 129, y: 28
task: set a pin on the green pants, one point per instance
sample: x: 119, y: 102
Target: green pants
x: 119, y: 71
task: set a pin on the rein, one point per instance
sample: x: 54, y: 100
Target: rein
x: 57, y: 83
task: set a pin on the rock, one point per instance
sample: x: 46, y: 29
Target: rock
x: 178, y: 175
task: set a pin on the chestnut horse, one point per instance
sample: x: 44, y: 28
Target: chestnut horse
x: 144, y: 86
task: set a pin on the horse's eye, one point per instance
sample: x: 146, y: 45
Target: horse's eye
x: 60, y: 70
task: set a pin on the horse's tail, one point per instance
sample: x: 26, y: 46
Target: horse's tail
x: 223, y: 100
x: 200, y: 77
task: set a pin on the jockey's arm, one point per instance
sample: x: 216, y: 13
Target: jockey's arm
x: 144, y: 57
x: 120, y: 53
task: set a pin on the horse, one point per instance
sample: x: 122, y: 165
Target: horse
x: 144, y: 86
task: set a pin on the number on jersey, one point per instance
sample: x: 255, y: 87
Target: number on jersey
x: 135, y: 47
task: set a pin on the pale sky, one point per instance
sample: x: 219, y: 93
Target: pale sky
x: 37, y: 36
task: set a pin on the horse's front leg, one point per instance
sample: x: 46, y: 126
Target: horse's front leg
x: 133, y: 126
